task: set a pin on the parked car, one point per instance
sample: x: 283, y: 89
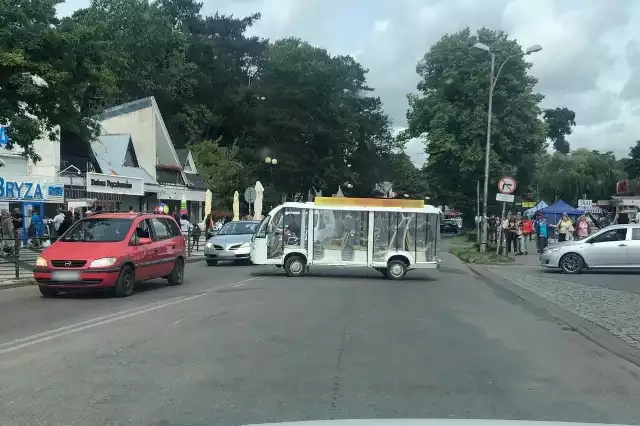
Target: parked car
x: 614, y: 247
x: 449, y: 226
x: 113, y: 251
x: 232, y: 242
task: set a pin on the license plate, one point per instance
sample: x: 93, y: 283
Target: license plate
x: 65, y: 276
x: 226, y: 254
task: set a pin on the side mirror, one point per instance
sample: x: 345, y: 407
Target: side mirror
x: 144, y: 241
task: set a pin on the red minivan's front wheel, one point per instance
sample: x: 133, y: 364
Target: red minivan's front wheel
x: 126, y: 279
x: 48, y: 292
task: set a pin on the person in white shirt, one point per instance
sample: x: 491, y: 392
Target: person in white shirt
x: 185, y: 225
x: 57, y: 220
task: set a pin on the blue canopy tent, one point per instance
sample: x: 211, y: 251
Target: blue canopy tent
x: 554, y: 212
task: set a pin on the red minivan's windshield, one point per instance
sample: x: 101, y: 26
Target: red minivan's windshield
x: 98, y: 230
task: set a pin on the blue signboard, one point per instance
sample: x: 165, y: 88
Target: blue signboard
x: 20, y: 191
x: 4, y: 136
x: 55, y: 191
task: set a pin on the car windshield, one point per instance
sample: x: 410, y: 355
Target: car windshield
x: 98, y: 230
x: 239, y: 228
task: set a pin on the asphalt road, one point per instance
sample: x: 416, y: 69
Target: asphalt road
x: 237, y: 345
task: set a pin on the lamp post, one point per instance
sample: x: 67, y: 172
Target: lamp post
x: 271, y: 162
x: 492, y: 85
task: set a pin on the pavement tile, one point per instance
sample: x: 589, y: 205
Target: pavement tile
x: 616, y: 311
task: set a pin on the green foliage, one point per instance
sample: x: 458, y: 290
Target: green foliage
x: 405, y: 177
x: 49, y: 76
x: 569, y: 177
x: 451, y: 109
x: 631, y: 164
x: 469, y: 252
x: 289, y: 100
x: 559, y: 122
x: 222, y: 168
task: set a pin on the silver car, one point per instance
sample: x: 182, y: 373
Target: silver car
x: 232, y: 242
x: 614, y: 247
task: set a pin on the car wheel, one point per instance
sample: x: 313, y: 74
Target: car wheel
x: 125, y: 283
x: 48, y: 292
x: 295, y: 266
x: 212, y: 262
x: 571, y: 263
x: 396, y: 269
x: 176, y: 277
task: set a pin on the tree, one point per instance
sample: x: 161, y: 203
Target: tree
x: 632, y: 163
x: 222, y: 169
x: 451, y: 110
x: 48, y: 76
x: 583, y: 172
x: 405, y: 177
x: 311, y: 111
x: 559, y: 122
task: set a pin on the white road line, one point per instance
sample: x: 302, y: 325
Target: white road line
x: 24, y: 342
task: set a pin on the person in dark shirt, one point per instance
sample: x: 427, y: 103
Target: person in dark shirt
x: 66, y: 223
x: 17, y: 218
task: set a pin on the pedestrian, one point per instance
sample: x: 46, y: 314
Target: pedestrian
x: 563, y: 227
x: 6, y: 229
x: 57, y: 221
x: 527, y: 230
x: 512, y: 235
x: 66, y: 223
x: 185, y: 226
x: 542, y: 232
x: 196, y: 233
x: 582, y: 228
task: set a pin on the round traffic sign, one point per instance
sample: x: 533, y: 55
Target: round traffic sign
x: 250, y: 194
x: 507, y: 185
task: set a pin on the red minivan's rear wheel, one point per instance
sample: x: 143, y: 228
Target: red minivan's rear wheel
x: 126, y: 279
x: 177, y: 275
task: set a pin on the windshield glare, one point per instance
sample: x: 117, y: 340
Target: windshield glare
x: 98, y: 230
x: 239, y: 228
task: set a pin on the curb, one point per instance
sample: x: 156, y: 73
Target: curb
x: 593, y: 332
x: 25, y: 282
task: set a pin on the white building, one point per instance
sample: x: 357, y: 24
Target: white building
x: 156, y: 155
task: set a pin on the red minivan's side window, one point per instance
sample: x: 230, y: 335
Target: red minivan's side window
x: 161, y: 228
x: 175, y: 229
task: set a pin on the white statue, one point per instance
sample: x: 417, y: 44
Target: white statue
x: 257, y: 204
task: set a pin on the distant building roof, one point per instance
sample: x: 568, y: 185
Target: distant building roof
x: 196, y: 181
x: 132, y: 106
x: 110, y: 152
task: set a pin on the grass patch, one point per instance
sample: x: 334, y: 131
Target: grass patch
x: 469, y: 252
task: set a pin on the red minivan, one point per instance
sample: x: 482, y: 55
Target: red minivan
x: 113, y: 250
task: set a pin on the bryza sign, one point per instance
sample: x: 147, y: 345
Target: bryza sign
x: 97, y: 182
x: 11, y: 189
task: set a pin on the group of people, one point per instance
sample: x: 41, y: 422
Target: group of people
x: 518, y: 231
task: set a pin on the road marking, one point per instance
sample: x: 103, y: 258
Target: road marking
x: 46, y: 336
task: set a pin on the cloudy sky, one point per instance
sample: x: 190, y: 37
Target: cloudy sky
x: 590, y: 60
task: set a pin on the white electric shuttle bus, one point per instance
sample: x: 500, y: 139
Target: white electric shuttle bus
x: 390, y: 235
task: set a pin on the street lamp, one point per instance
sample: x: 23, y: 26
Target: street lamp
x: 272, y: 161
x: 492, y: 85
